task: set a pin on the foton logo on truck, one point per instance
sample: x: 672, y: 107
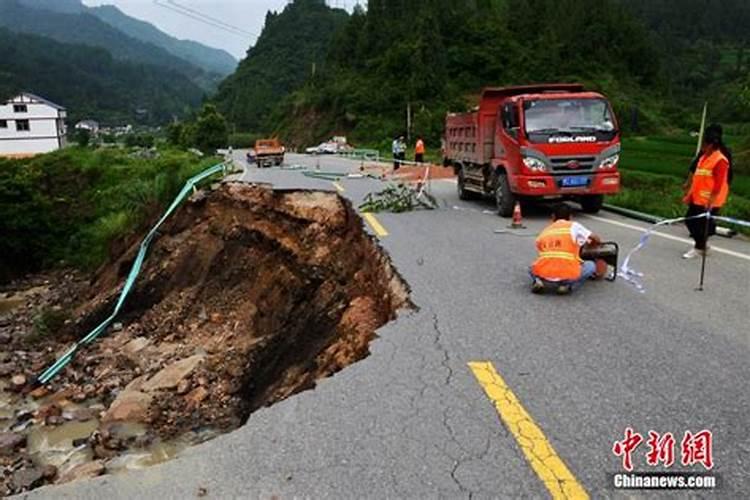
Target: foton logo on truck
x: 554, y: 141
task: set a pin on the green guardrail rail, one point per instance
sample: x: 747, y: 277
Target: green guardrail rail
x: 135, y: 270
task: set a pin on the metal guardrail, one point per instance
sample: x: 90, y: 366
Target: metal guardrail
x: 135, y: 270
x: 361, y: 154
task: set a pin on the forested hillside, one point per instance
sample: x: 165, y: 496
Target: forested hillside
x: 282, y: 59
x: 210, y: 59
x: 89, y: 82
x: 705, y: 49
x: 436, y: 54
x: 659, y: 58
x: 86, y: 29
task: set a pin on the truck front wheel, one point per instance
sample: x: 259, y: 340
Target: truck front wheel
x: 504, y: 199
x: 592, y: 204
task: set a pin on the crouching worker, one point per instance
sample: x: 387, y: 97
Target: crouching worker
x: 559, y: 264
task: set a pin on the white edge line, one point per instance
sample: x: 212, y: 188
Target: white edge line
x: 667, y: 236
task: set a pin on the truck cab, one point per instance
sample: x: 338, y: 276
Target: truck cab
x: 537, y: 142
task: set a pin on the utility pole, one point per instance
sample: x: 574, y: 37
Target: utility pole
x: 408, y: 122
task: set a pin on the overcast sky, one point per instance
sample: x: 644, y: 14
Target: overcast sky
x: 246, y: 14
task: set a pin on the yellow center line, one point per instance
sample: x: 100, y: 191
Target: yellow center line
x: 376, y: 226
x: 550, y: 468
x: 338, y: 187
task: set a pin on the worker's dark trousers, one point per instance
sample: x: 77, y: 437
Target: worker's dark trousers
x: 419, y: 157
x: 397, y: 159
x: 697, y: 227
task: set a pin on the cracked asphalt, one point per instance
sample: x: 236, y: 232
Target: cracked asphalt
x: 412, y: 421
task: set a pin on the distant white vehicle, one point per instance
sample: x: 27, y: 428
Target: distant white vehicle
x: 328, y: 148
x: 90, y: 125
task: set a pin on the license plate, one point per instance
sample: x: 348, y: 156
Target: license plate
x: 576, y: 181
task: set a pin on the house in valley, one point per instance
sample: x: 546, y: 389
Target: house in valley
x: 31, y: 125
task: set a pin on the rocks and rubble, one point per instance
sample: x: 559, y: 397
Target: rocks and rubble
x: 248, y: 296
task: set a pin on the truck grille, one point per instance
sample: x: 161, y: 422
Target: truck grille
x: 563, y: 164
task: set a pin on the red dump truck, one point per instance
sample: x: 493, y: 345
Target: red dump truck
x: 555, y: 141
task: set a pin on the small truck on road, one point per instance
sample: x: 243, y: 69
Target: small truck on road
x: 555, y: 141
x: 267, y: 153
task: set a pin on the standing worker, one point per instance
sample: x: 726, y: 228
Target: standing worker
x: 559, y: 262
x: 419, y: 150
x: 397, y: 148
x: 401, y: 150
x: 708, y: 189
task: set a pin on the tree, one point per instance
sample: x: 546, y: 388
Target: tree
x: 209, y: 131
x: 174, y: 133
x: 83, y: 137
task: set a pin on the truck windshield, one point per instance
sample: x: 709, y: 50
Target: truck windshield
x: 576, y: 119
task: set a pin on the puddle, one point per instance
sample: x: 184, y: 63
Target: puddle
x: 43, y: 441
x: 158, y: 451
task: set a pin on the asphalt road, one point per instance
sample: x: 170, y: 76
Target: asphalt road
x: 413, y: 421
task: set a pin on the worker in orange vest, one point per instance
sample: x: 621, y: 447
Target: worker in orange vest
x: 419, y: 150
x: 559, y: 262
x: 708, y: 189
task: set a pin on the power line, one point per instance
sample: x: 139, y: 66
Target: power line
x: 213, y: 19
x: 198, y: 16
x: 200, y: 19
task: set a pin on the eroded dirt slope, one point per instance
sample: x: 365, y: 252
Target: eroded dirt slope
x: 248, y: 296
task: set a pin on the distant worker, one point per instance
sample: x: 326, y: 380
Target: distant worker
x: 401, y: 150
x: 398, y: 148
x: 559, y: 263
x: 707, y: 189
x: 419, y: 150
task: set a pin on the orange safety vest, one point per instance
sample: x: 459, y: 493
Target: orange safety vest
x: 703, y: 182
x: 419, y: 149
x: 559, y: 257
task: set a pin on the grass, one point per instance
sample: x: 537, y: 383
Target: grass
x: 654, y: 169
x: 70, y: 206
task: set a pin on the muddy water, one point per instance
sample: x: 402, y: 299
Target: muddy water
x: 7, y: 304
x: 66, y: 446
x: 158, y: 452
x: 54, y: 445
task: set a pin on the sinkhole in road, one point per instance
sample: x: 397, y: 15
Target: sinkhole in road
x: 248, y: 296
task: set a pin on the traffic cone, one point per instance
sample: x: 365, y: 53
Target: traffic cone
x: 517, y: 222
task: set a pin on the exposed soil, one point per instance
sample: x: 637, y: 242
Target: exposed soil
x: 247, y: 297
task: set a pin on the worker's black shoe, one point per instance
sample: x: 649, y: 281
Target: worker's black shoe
x: 563, y: 290
x: 538, y: 286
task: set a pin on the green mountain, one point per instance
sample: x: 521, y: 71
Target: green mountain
x: 64, y: 6
x: 210, y: 59
x: 90, y: 83
x: 435, y: 56
x: 292, y: 43
x: 86, y: 29
x: 705, y: 51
